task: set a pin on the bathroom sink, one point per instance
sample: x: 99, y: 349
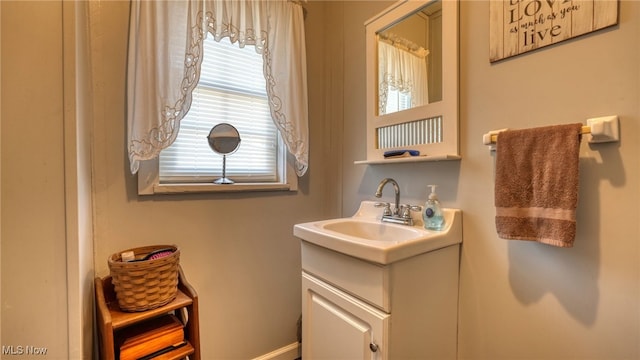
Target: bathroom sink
x: 371, y: 230
x: 364, y: 236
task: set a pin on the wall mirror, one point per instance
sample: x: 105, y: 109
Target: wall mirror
x: 412, y: 81
x: 410, y: 61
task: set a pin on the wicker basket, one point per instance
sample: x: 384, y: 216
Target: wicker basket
x: 148, y: 284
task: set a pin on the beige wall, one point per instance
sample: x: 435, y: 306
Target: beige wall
x: 34, y: 290
x: 583, y: 302
x: 237, y: 250
x: 47, y: 248
x: 521, y: 300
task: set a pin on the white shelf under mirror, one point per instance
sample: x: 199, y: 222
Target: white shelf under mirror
x: 408, y: 159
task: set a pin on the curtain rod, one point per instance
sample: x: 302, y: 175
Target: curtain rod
x: 403, y: 44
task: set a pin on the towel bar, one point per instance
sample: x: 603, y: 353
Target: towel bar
x: 602, y: 129
x: 494, y: 136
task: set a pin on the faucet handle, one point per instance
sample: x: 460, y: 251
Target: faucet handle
x: 406, y: 209
x: 387, y: 207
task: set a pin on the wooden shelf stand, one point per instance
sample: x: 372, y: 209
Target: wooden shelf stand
x: 110, y: 319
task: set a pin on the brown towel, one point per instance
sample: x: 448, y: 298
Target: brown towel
x: 536, y: 186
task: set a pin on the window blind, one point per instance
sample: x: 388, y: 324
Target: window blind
x: 231, y: 90
x: 397, y: 101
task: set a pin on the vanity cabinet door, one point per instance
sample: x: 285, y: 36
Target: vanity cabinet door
x: 337, y: 326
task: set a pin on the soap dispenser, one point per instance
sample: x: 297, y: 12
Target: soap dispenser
x: 432, y: 212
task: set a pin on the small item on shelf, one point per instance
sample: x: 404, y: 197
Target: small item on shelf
x: 156, y: 254
x: 128, y: 256
x: 150, y: 337
x: 159, y: 254
x: 400, y: 153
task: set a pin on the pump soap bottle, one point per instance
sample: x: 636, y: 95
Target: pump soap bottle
x: 432, y: 212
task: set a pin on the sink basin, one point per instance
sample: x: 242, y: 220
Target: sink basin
x: 364, y: 236
x: 371, y: 230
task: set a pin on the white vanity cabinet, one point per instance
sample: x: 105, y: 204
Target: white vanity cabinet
x: 340, y: 326
x: 356, y: 309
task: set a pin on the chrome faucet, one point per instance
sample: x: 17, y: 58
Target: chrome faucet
x: 396, y: 188
x: 401, y: 213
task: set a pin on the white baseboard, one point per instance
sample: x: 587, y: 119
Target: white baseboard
x: 289, y: 352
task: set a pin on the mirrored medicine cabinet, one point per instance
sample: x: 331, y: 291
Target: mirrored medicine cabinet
x: 412, y: 81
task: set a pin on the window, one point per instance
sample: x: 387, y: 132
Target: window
x: 166, y: 50
x: 231, y: 90
x: 397, y: 101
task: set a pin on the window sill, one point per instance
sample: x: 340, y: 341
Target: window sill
x: 215, y: 188
x: 149, y: 183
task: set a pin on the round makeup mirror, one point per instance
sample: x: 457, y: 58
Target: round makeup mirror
x: 224, y: 139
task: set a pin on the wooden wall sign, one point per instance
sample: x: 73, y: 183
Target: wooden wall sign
x: 518, y: 26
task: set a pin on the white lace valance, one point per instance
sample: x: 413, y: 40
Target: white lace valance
x: 165, y: 54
